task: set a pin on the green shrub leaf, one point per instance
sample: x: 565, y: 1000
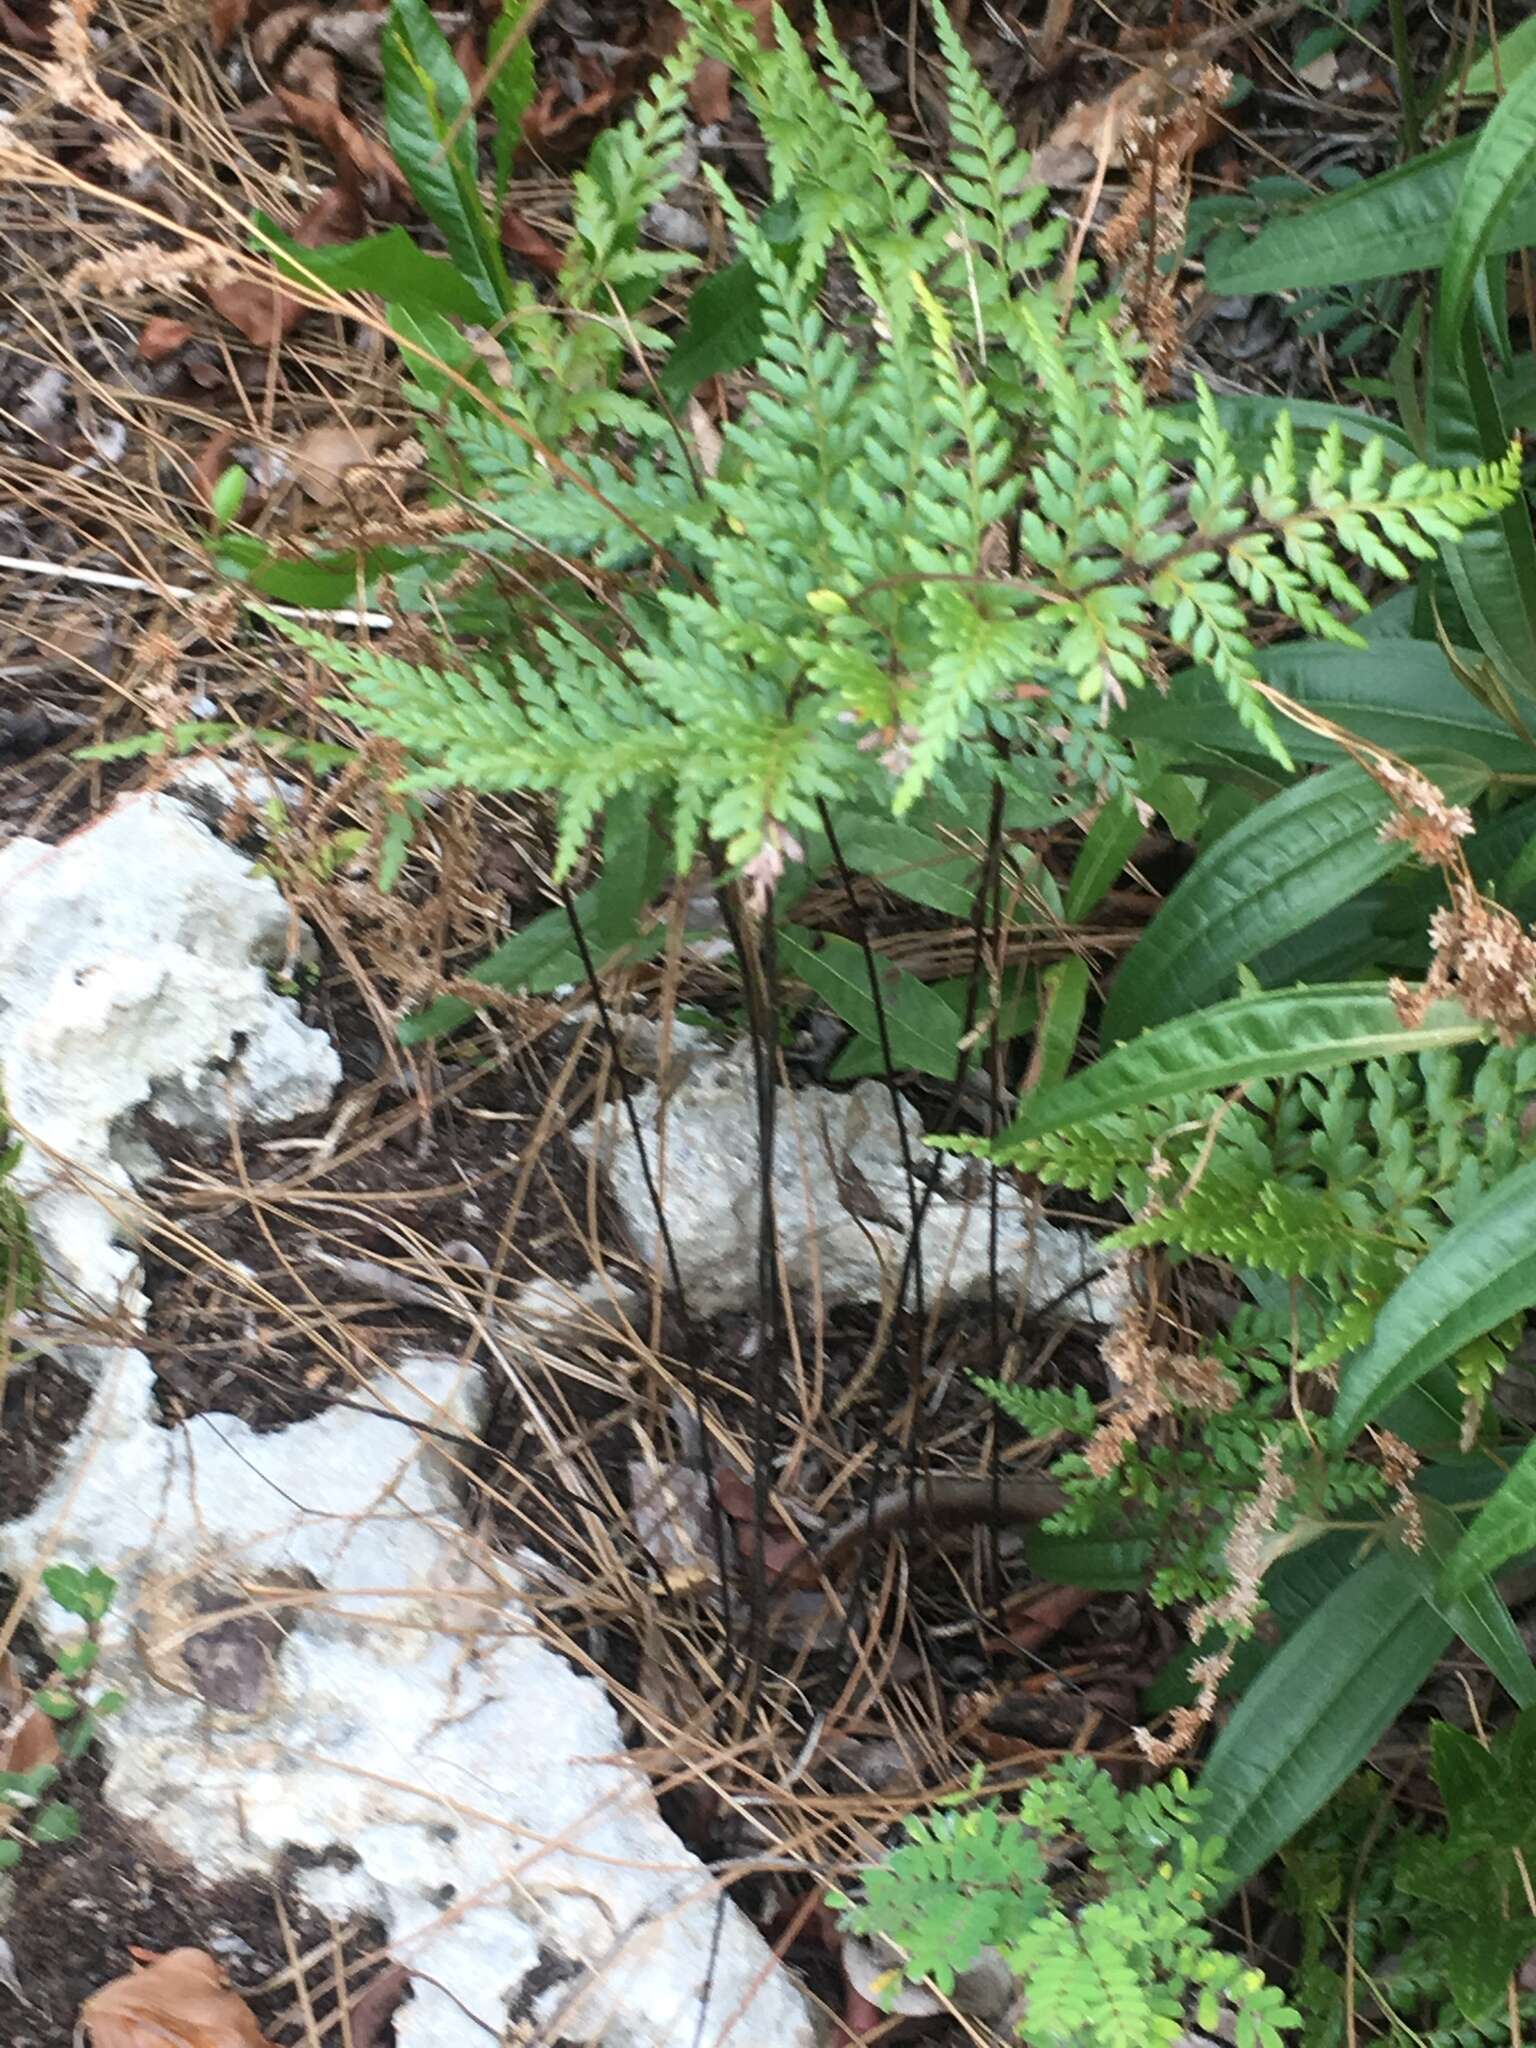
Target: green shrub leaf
x: 427, y: 99
x: 1475, y: 1609
x: 1516, y: 53
x: 1111, y: 839
x: 1504, y: 1528
x: 1063, y: 999
x: 1497, y: 175
x: 391, y: 264
x: 1253, y: 1037
x: 1317, y: 1707
x: 921, y: 1025
x: 1383, y: 228
x: 1493, y: 570
x: 1478, y: 1275
x: 1287, y: 863
x: 724, y: 331
x: 1403, y: 695
x: 509, y: 85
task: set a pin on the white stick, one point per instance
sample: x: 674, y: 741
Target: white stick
x: 105, y: 579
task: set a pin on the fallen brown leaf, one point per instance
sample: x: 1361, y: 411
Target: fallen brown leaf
x: 262, y: 313
x: 559, y: 133
x: 1100, y: 129
x: 466, y: 54
x: 178, y: 2000
x: 313, y: 72
x: 277, y: 35
x: 370, y: 2012
x: 265, y: 314
x: 519, y: 234
x: 709, y: 89
x: 15, y: 30
x: 161, y: 337
x: 709, y: 92
x: 336, y: 216
x: 322, y: 457
x: 27, y: 1737
x: 212, y: 461
x: 353, y: 152
x: 226, y: 18
x: 1041, y: 1615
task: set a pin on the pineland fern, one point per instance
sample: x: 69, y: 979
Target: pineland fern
x: 949, y: 524
x: 1096, y: 1900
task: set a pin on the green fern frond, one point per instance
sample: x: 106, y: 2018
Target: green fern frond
x: 946, y: 522
x: 1095, y: 1898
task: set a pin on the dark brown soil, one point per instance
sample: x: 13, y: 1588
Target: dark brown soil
x: 40, y: 1408
x: 249, y: 1317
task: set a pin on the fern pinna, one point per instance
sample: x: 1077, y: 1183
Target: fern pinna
x: 949, y: 523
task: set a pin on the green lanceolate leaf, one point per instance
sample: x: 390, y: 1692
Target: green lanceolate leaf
x: 1316, y: 1709
x: 1251, y: 1038
x: 509, y: 86
x: 912, y: 862
x: 1112, y: 838
x: 1063, y: 999
x: 1251, y: 419
x: 1493, y: 570
x: 390, y: 264
x: 1478, y: 1275
x: 920, y: 1024
x: 1287, y: 864
x: 1383, y: 228
x: 427, y: 100
x: 544, y: 954
x: 1110, y: 1564
x: 1498, y: 176
x: 1516, y: 53
x: 1403, y: 695
x: 1504, y: 1528
x: 1475, y: 1610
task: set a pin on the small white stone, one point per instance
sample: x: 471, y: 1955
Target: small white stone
x: 841, y: 1198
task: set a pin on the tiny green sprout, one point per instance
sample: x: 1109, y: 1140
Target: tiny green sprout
x: 58, y: 1822
x: 227, y: 497
x: 88, y: 1594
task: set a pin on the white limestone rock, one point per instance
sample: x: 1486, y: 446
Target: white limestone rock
x: 840, y: 1196
x: 404, y: 1711
x: 134, y: 975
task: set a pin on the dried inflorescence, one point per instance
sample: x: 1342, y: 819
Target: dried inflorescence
x: 1485, y: 958
x: 1399, y: 1463
x: 1149, y: 223
x: 1421, y: 817
x: 1482, y: 954
x: 149, y: 267
x: 71, y: 79
x: 1153, y: 1379
x: 1249, y: 1553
